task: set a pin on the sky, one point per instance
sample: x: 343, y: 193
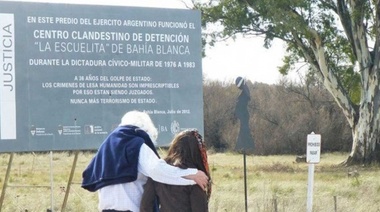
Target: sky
x: 244, y: 57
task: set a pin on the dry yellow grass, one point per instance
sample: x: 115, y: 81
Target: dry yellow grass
x: 274, y: 183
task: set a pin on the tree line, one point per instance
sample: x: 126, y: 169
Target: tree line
x: 281, y: 117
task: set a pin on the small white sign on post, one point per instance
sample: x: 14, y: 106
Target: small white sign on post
x: 313, y: 148
x: 313, y: 156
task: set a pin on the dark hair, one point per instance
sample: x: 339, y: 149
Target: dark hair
x: 184, y: 152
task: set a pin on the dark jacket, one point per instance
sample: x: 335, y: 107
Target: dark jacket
x: 173, y: 198
x: 117, y: 158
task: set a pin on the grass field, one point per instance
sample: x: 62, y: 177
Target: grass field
x: 274, y: 183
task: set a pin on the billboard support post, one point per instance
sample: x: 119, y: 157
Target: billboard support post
x: 51, y: 182
x: 6, y: 180
x: 70, y: 181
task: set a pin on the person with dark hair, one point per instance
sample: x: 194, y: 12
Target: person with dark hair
x: 187, y: 150
x: 125, y: 160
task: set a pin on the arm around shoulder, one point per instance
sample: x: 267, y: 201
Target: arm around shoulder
x: 150, y: 165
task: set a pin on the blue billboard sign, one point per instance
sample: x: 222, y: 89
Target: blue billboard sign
x: 68, y: 73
